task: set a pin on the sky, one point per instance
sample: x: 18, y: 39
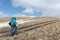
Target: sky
x: 29, y: 8
x: 8, y: 9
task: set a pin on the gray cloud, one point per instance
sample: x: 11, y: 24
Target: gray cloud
x: 47, y: 7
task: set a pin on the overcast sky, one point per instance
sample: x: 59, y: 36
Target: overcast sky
x: 30, y: 8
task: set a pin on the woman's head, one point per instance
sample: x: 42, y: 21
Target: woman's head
x: 13, y: 18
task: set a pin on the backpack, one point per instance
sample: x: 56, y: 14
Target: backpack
x: 9, y: 23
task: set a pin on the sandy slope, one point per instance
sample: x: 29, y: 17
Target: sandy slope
x: 46, y: 32
x: 4, y: 23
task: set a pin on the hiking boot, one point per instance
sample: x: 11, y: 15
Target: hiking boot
x: 11, y: 34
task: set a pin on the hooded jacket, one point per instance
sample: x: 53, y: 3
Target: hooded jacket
x: 13, y: 22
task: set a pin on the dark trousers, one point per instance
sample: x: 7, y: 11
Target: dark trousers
x: 14, y: 30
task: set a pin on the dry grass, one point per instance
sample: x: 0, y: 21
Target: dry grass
x: 8, y: 19
x: 26, y: 18
x: 4, y: 19
x: 38, y: 20
x: 47, y: 32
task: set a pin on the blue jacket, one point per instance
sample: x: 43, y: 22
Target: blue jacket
x: 13, y: 22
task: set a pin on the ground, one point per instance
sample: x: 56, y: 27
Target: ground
x: 43, y: 28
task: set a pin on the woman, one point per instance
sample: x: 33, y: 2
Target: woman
x: 14, y: 29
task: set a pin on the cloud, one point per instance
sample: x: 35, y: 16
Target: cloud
x: 32, y: 16
x: 47, y: 7
x: 37, y: 3
x: 3, y: 14
x: 19, y: 15
x: 22, y: 15
x: 28, y: 11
